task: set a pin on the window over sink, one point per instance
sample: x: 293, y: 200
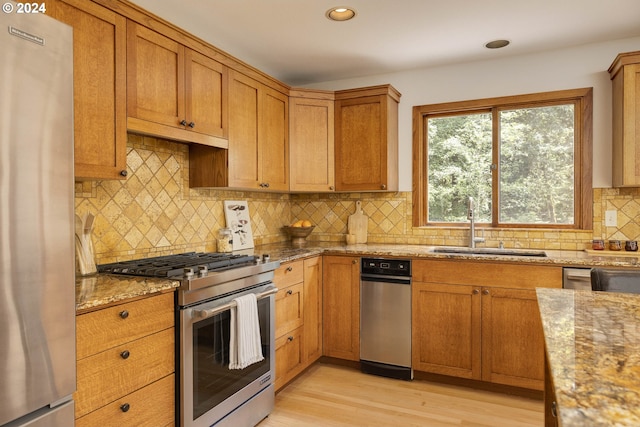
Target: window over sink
x: 526, y: 160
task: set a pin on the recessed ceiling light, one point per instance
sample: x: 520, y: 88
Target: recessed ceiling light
x: 497, y: 44
x: 340, y: 13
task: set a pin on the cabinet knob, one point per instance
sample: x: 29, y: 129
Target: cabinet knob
x: 485, y: 292
x: 192, y: 125
x: 123, y: 172
x: 331, y: 187
x: 289, y: 269
x: 355, y: 261
x: 290, y: 338
x: 125, y: 354
x: 125, y: 407
x: 183, y: 122
x: 476, y: 291
x: 124, y: 314
x: 289, y: 292
x: 383, y: 186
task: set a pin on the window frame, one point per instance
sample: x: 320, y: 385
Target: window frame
x: 583, y: 152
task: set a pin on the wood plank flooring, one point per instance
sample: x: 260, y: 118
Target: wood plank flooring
x: 329, y: 395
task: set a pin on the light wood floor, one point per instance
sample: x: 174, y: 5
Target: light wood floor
x: 329, y: 395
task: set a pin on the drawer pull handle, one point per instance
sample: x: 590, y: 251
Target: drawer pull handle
x: 290, y: 339
x: 124, y: 314
x: 289, y: 268
x: 289, y: 292
x: 125, y: 407
x: 125, y: 354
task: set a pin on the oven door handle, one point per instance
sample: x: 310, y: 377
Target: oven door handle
x: 203, y: 314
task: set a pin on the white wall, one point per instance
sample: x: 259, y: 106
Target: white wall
x: 584, y: 66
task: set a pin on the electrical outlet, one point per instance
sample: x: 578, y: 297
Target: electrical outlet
x: 611, y: 218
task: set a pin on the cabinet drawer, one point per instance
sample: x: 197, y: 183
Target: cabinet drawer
x: 106, y: 376
x: 289, y: 357
x: 289, y: 309
x: 151, y: 406
x: 289, y: 274
x: 107, y: 328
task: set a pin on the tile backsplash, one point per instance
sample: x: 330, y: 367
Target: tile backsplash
x: 154, y: 212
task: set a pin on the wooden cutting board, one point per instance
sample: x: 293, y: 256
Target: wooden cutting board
x: 358, y: 223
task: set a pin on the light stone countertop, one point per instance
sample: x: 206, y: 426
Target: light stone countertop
x: 103, y: 289
x: 593, y: 348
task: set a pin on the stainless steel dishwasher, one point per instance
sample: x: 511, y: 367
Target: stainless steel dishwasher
x: 576, y: 278
x: 385, y: 317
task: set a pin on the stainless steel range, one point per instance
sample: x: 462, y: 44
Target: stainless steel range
x: 209, y: 392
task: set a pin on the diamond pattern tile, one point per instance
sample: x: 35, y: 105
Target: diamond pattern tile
x: 154, y: 212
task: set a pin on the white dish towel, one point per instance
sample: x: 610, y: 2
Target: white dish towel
x: 245, y: 345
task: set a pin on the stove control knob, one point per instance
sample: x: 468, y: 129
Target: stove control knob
x: 266, y: 258
x: 188, y: 272
x: 203, y: 270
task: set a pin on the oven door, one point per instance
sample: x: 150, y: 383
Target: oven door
x: 209, y: 390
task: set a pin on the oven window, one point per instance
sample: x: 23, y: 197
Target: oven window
x: 213, y: 381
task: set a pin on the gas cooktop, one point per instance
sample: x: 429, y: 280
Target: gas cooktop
x: 174, y: 265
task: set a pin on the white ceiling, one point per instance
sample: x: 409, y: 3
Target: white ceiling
x: 292, y: 40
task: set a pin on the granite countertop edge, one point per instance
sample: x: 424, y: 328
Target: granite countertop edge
x: 592, y: 342
x: 104, y: 289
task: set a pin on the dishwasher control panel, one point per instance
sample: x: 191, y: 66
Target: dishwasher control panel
x: 386, y: 266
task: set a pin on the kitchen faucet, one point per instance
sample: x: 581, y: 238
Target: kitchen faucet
x: 472, y: 227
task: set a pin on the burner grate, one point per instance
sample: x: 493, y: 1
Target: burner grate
x: 173, y: 265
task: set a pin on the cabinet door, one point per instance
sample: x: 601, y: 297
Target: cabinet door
x: 366, y: 144
x: 273, y: 140
x: 289, y: 357
x: 512, y: 338
x: 206, y: 95
x: 626, y: 126
x: 99, y: 80
x: 312, y: 309
x: 311, y: 138
x: 446, y: 329
x: 289, y: 309
x: 243, y: 131
x: 341, y: 307
x: 155, y: 78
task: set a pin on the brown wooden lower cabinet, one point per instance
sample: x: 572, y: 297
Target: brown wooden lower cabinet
x: 550, y: 405
x: 150, y: 406
x: 126, y: 364
x: 341, y: 307
x: 298, y: 317
x: 480, y: 321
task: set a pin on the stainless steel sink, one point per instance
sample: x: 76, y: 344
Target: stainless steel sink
x: 488, y: 251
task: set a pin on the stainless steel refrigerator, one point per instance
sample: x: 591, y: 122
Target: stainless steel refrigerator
x: 37, y: 264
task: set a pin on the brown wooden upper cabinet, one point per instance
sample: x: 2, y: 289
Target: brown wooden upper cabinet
x: 173, y: 91
x: 258, y: 155
x: 625, y: 74
x: 311, y: 139
x: 366, y: 139
x: 99, y: 81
